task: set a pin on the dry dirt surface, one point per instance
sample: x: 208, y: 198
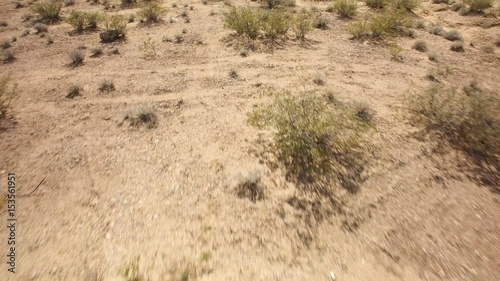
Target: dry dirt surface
x: 161, y: 203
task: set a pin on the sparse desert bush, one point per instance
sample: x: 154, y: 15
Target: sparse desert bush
x: 478, y: 6
x: 96, y: 51
x: 142, y: 115
x: 127, y: 3
x: 469, y: 120
x: 313, y: 140
x: 244, y: 20
x: 50, y: 41
x: 283, y: 3
x: 360, y: 29
x: 5, y: 44
x: 392, y: 22
x: 40, y: 28
x: 77, y: 19
x: 302, y: 24
x: 69, y: 3
x: 107, y: 86
x: 115, y: 28
x: 48, y: 9
x: 364, y: 112
x: 453, y: 35
x: 275, y: 23
x: 151, y: 12
x: 76, y: 57
x: 149, y: 49
x: 345, y: 8
x: 488, y: 49
x: 92, y: 19
x: 319, y: 79
x: 7, y: 94
x: 457, y: 47
x: 251, y: 187
x: 420, y: 23
x: 376, y: 4
x: 74, y: 91
x: 8, y: 56
x: 437, y: 30
x: 408, y: 5
x: 420, y: 46
x: 321, y: 22
x: 433, y: 57
x: 457, y: 6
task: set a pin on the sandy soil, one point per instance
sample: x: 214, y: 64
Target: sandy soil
x: 167, y: 195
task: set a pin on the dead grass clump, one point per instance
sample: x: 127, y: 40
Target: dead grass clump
x: 251, y: 187
x: 420, y: 46
x: 48, y: 9
x: 96, y: 51
x: 453, y: 35
x: 364, y: 112
x: 142, y: 115
x: 40, y: 28
x: 437, y: 30
x: 7, y: 94
x: 151, y: 12
x: 107, y: 86
x: 74, y: 91
x: 346, y: 8
x: 8, y: 56
x: 321, y: 22
x: 76, y: 58
x: 478, y: 6
x: 313, y: 141
x: 469, y: 120
x: 433, y: 57
x: 457, y: 47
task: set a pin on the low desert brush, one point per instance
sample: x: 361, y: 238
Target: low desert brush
x: 107, y: 86
x: 469, y: 119
x: 478, y: 6
x: 453, y: 35
x: 7, y: 94
x: 84, y: 20
x: 48, y: 9
x: 40, y: 27
x: 141, y: 115
x: 246, y: 21
x: 151, y: 12
x: 376, y: 4
x: 251, y: 187
x: 275, y: 23
x: 408, y: 5
x: 76, y: 58
x: 391, y: 22
x: 313, y: 140
x: 420, y: 46
x: 115, y: 28
x: 281, y: 3
x: 302, y: 24
x: 345, y: 8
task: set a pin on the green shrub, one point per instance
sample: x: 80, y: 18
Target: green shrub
x: 77, y: 19
x: 151, y: 12
x: 376, y: 4
x: 283, y: 3
x: 360, y: 29
x: 7, y: 94
x: 313, y: 140
x: 244, y: 20
x: 115, y: 28
x: 302, y: 24
x: 275, y: 23
x: 93, y: 19
x: 346, y: 8
x: 392, y: 22
x: 469, y: 120
x: 478, y: 6
x: 48, y: 9
x: 408, y: 5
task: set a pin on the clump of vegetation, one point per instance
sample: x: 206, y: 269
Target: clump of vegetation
x: 408, y: 5
x: 364, y: 112
x: 8, y: 56
x: 96, y: 51
x: 131, y: 271
x: 469, y: 120
x: 437, y: 30
x: 420, y: 46
x: 478, y: 6
x: 251, y: 187
x: 50, y: 41
x: 433, y: 57
x: 314, y: 141
x: 392, y: 22
x: 302, y: 24
x: 7, y: 94
x: 40, y: 28
x: 142, y: 115
x: 107, y: 86
x: 76, y: 58
x: 321, y: 22
x: 345, y: 8
x: 457, y: 47
x: 244, y: 20
x: 149, y: 49
x: 81, y: 20
x: 376, y: 4
x: 74, y: 91
x: 281, y: 3
x: 5, y: 44
x: 48, y: 9
x: 151, y: 12
x: 115, y: 28
x: 453, y: 35
x: 275, y: 23
x: 69, y: 3
x: 128, y: 3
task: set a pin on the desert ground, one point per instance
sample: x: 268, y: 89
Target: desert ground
x: 124, y: 201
